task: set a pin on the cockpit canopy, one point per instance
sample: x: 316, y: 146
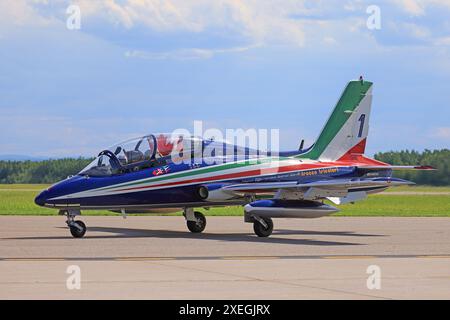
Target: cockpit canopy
x: 158, y: 150
x: 139, y: 153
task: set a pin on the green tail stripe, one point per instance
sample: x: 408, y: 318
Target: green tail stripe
x: 350, y: 99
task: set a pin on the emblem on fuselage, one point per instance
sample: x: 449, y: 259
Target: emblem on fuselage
x: 162, y: 170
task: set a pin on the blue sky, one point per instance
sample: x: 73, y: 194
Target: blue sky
x: 142, y: 66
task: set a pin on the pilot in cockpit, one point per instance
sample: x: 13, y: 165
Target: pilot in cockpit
x: 131, y: 155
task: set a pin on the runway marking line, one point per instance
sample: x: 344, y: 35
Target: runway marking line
x: 435, y: 257
x: 144, y: 259
x: 350, y: 257
x: 215, y: 258
x: 34, y: 259
x: 250, y: 258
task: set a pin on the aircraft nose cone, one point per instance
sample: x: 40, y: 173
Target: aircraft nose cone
x: 41, y: 198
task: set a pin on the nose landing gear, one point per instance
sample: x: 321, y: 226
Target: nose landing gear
x: 77, y: 228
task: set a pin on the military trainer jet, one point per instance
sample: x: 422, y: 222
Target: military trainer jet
x: 143, y: 176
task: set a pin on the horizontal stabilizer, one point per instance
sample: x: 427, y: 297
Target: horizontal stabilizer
x: 428, y: 168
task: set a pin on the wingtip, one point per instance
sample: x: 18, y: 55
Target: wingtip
x: 430, y: 168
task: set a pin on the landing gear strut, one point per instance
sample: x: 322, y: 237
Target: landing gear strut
x: 77, y: 228
x: 195, y: 221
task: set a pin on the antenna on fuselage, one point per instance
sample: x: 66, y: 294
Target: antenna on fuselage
x: 301, y: 145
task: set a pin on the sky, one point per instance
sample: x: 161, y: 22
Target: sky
x: 141, y: 66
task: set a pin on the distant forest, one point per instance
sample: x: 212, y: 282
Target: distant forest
x: 50, y: 171
x: 47, y: 171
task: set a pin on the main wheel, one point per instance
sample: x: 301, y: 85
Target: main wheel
x: 199, y: 224
x: 262, y: 231
x: 77, y: 229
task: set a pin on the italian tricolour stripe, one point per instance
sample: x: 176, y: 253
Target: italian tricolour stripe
x: 215, y: 173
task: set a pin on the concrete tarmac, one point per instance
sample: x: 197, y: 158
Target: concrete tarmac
x: 157, y: 258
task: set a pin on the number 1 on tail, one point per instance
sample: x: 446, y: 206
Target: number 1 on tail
x: 361, y: 119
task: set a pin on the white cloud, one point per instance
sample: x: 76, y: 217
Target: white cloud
x: 412, y: 7
x: 418, y: 7
x: 20, y: 12
x: 287, y: 22
x: 293, y: 23
x: 410, y: 30
x: 441, y: 133
x: 185, y: 54
x: 330, y: 41
x: 443, y: 41
x: 256, y: 20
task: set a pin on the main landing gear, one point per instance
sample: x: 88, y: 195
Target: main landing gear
x: 263, y: 226
x: 195, y: 221
x: 77, y: 228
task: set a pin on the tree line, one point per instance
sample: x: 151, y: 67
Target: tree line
x: 47, y: 171
x: 50, y: 171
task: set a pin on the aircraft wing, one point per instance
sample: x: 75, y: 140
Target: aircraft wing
x: 339, y: 191
x: 332, y: 183
x: 329, y: 184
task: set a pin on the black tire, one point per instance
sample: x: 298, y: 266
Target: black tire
x: 199, y: 225
x: 260, y: 230
x: 76, y: 232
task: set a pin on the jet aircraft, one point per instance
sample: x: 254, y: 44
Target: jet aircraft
x: 161, y: 173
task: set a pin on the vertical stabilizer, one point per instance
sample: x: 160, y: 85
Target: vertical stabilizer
x: 348, y: 125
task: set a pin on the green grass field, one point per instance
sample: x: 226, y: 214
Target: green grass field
x: 403, y: 201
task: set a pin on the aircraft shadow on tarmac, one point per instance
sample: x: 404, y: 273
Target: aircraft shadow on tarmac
x: 123, y: 233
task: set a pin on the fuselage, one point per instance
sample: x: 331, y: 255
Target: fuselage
x: 177, y: 185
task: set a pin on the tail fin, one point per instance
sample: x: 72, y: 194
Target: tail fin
x: 347, y: 128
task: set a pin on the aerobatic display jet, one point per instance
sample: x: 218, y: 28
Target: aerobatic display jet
x: 163, y: 173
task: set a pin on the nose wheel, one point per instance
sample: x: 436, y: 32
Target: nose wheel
x: 77, y: 228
